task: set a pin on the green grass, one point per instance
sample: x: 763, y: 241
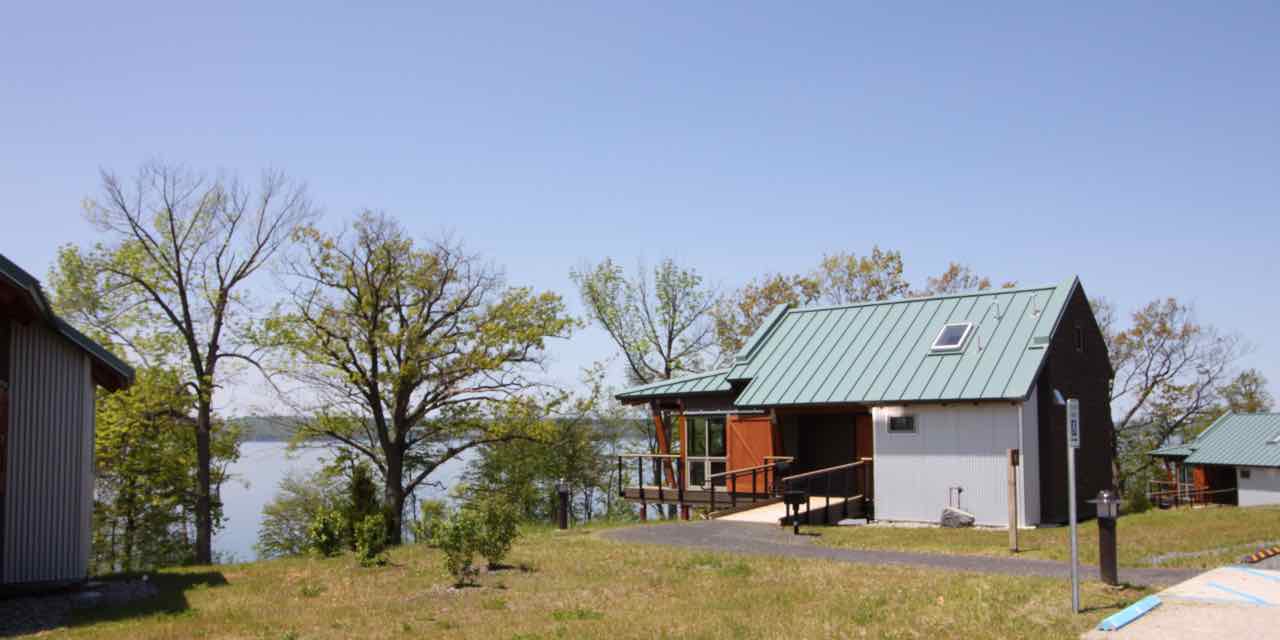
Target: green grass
x: 1220, y: 535
x: 580, y: 585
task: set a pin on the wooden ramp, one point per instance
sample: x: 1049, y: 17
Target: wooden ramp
x: 776, y: 512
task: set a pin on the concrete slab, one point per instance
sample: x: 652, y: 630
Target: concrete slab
x: 1235, y: 601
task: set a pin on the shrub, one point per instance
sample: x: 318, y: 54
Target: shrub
x: 324, y: 536
x: 458, y: 537
x: 431, y: 514
x: 371, y: 540
x: 498, y: 530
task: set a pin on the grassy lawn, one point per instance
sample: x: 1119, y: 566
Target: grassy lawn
x: 580, y: 585
x: 1220, y: 535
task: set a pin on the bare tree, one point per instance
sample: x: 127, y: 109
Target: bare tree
x: 661, y: 325
x: 170, y: 281
x: 1169, y: 372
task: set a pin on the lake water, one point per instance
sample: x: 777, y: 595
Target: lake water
x: 256, y: 476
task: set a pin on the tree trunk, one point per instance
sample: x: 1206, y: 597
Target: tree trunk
x: 204, y: 505
x: 393, y: 497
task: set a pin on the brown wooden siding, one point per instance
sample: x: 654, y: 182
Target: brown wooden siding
x: 750, y: 439
x: 1082, y: 373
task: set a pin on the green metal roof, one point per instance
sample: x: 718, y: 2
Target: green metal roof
x: 877, y: 353
x: 1175, y: 451
x: 20, y: 279
x: 1240, y: 439
x: 709, y: 382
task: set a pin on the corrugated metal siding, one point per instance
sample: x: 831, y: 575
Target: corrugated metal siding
x: 879, y: 353
x: 956, y: 445
x: 1261, y: 487
x: 50, y: 498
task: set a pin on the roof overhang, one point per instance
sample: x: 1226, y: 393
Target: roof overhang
x: 22, y: 300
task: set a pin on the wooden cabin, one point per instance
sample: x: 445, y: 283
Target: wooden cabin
x: 894, y: 409
x: 1234, y: 461
x: 48, y: 375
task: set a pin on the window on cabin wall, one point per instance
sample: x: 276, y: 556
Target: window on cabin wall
x: 902, y: 424
x: 707, y: 450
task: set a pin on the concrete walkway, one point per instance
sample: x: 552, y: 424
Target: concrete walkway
x: 1228, y: 602
x: 764, y: 539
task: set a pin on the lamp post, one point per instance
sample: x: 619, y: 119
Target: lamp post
x: 562, y: 508
x: 1108, y: 510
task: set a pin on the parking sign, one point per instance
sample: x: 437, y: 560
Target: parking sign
x: 1073, y: 423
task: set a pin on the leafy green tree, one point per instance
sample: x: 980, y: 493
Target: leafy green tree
x: 841, y: 278
x: 660, y: 322
x: 169, y: 283
x: 145, y: 474
x: 739, y: 315
x: 577, y: 448
x: 299, y: 501
x: 958, y: 278
x: 408, y: 354
x: 1247, y: 393
x: 846, y: 278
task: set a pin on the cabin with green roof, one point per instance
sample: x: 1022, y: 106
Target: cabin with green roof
x: 891, y: 410
x: 1235, y: 461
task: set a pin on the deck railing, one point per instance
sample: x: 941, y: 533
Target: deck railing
x: 665, y: 466
x: 764, y: 481
x: 1166, y: 493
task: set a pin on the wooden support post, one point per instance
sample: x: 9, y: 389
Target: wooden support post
x: 1013, y: 499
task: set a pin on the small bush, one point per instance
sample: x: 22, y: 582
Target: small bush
x: 311, y: 590
x: 324, y: 536
x: 371, y: 540
x: 431, y: 513
x: 1136, y: 502
x: 498, y: 531
x: 458, y: 537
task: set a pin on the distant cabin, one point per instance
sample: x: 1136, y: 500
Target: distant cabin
x: 923, y: 396
x: 1235, y: 460
x: 48, y: 374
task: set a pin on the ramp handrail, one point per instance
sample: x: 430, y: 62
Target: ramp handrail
x: 848, y: 473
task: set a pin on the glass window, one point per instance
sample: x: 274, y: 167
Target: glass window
x: 715, y: 436
x: 706, y: 449
x: 697, y: 473
x: 697, y: 436
x: 952, y: 336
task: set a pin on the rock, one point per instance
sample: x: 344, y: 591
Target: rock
x: 955, y: 518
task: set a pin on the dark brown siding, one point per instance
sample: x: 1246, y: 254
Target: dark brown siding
x: 1082, y: 373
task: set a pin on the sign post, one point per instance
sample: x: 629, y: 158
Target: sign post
x: 1073, y: 443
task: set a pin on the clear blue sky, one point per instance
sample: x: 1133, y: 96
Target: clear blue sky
x: 1137, y: 147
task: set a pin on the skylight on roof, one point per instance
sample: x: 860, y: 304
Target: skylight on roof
x: 952, y: 337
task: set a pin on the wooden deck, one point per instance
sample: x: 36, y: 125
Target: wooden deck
x: 698, y: 497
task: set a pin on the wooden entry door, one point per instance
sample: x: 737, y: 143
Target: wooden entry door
x: 751, y: 439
